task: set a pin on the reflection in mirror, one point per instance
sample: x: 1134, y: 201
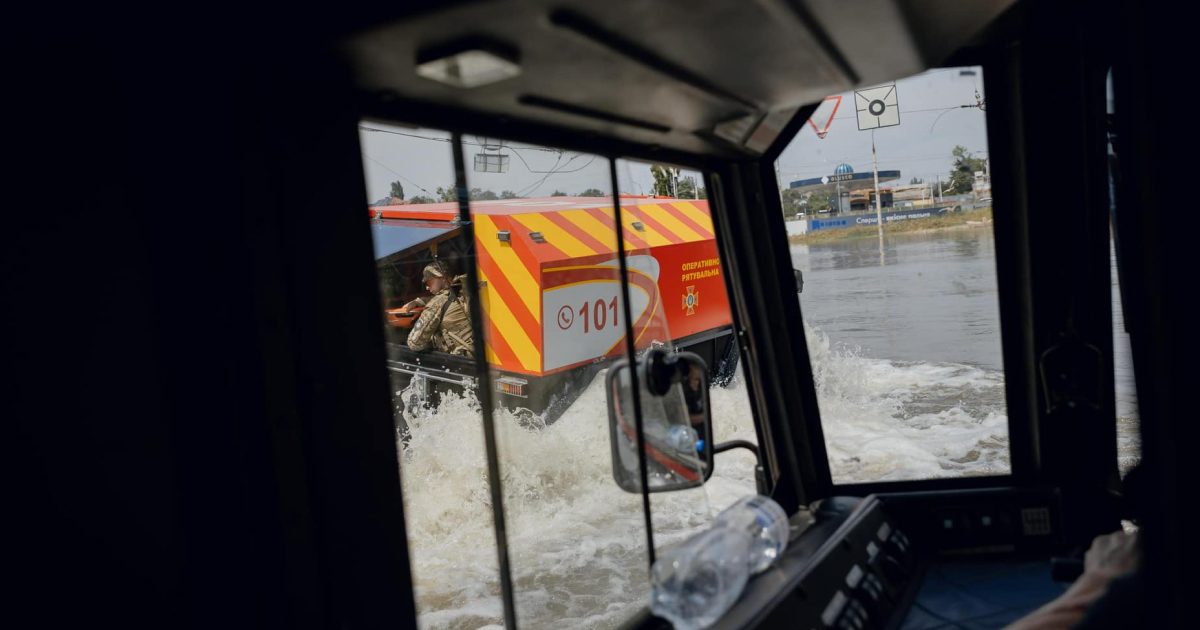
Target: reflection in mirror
x: 676, y: 421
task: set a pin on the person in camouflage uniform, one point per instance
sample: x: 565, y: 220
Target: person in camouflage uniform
x: 445, y: 324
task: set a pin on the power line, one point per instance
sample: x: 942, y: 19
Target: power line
x: 801, y: 167
x: 407, y: 135
x: 448, y: 140
x: 531, y: 170
x: 853, y: 162
x: 523, y: 161
x: 823, y: 162
x: 554, y: 170
x: 397, y: 174
x: 909, y: 111
x: 559, y: 171
x: 534, y: 186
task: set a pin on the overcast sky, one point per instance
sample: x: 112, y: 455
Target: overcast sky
x: 422, y: 160
x: 909, y: 147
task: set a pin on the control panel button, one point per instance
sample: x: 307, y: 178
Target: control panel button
x: 834, y: 608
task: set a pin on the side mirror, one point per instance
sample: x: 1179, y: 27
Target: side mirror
x: 676, y: 421
x: 799, y: 280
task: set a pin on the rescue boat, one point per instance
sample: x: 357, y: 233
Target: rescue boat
x: 549, y: 287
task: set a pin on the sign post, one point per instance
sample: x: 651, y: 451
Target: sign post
x: 877, y: 107
x: 878, y: 198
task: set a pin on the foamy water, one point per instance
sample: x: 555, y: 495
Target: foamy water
x: 888, y: 420
x: 577, y: 542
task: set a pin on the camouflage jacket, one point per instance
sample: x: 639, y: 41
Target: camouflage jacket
x: 442, y: 327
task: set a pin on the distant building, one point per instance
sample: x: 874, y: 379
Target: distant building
x: 910, y: 192
x: 982, y: 186
x: 841, y: 183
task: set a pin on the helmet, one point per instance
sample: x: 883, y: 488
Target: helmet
x: 435, y: 269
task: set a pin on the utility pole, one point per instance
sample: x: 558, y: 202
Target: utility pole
x: 878, y: 198
x: 779, y: 185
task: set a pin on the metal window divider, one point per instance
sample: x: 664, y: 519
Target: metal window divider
x: 484, y: 393
x: 635, y: 387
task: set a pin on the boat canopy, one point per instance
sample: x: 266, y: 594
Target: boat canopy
x: 565, y: 228
x: 392, y: 237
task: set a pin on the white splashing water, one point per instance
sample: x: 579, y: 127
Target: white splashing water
x: 577, y: 542
x: 887, y: 421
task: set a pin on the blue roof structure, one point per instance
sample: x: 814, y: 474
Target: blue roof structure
x: 390, y: 237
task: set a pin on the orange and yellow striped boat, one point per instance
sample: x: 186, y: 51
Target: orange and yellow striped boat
x: 550, y: 280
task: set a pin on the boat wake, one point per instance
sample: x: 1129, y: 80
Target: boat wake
x: 577, y: 542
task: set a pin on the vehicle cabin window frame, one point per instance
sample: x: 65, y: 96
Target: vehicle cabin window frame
x: 788, y: 423
x: 1006, y: 124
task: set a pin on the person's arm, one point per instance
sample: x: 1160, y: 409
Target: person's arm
x: 420, y: 338
x: 1109, y: 557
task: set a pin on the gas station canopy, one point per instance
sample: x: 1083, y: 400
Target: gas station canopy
x: 847, y: 181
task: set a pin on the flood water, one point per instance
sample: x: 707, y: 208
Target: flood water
x: 909, y: 376
x: 929, y: 316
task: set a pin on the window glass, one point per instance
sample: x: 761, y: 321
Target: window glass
x: 1129, y: 441
x: 439, y: 430
x: 554, y: 320
x: 669, y: 220
x: 903, y: 328
x: 546, y: 255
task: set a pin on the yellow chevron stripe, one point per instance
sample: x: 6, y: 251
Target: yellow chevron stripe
x: 555, y: 235
x: 485, y: 300
x: 496, y: 310
x: 599, y: 231
x: 668, y: 221
x: 695, y: 214
x: 514, y: 268
x: 652, y: 238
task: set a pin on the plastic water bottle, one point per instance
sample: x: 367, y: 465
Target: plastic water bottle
x: 683, y: 438
x: 767, y: 524
x: 695, y: 583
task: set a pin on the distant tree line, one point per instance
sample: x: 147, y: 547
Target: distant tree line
x: 796, y: 202
x: 668, y: 183
x: 963, y: 169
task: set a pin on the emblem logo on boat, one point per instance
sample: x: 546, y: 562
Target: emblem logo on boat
x: 566, y: 317
x: 691, y: 300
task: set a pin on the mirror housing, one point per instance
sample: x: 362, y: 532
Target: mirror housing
x: 676, y: 421
x: 799, y: 280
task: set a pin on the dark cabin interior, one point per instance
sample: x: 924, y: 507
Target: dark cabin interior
x: 202, y: 427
